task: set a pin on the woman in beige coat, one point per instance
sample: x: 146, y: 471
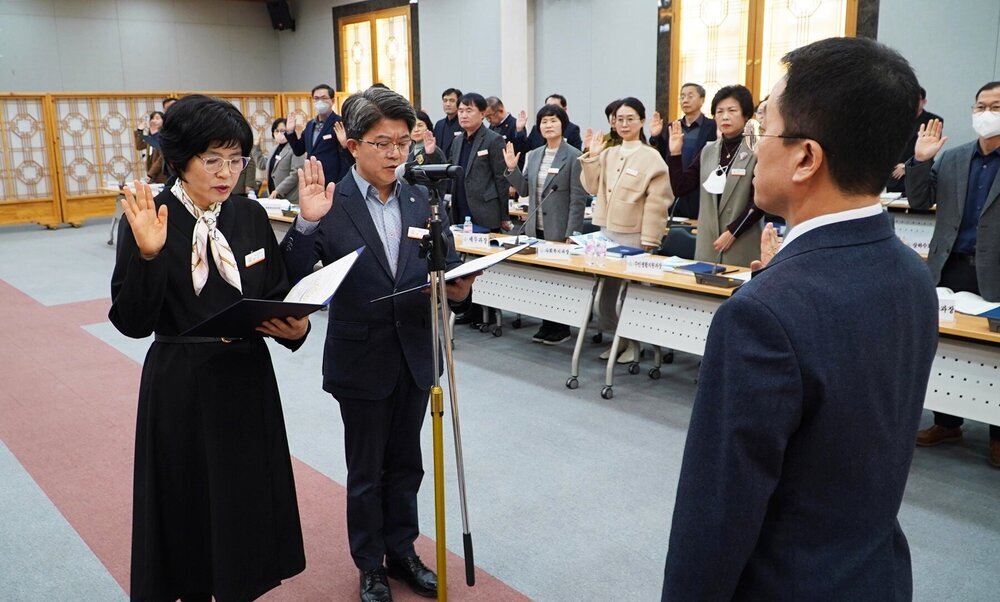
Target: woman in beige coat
x: 633, y: 194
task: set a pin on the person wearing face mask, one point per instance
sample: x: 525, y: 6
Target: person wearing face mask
x: 729, y: 223
x: 148, y: 139
x: 633, y: 194
x: 214, y: 511
x: 964, y: 183
x: 323, y: 136
x: 281, y: 165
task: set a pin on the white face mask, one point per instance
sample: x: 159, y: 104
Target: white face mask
x: 322, y: 107
x: 986, y: 124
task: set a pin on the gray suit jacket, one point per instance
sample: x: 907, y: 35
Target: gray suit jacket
x: 485, y: 185
x: 946, y: 183
x: 286, y: 178
x: 714, y: 216
x: 562, y: 211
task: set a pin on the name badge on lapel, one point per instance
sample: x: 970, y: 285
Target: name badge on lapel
x: 483, y: 153
x: 255, y: 257
x: 632, y: 172
x: 737, y: 171
x: 327, y: 136
x: 553, y: 170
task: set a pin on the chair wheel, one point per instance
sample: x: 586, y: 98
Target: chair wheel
x: 633, y: 368
x: 668, y: 358
x: 607, y: 392
x: 484, y: 328
x: 572, y: 383
x: 516, y: 324
x: 597, y: 338
x: 497, y: 331
x: 654, y: 373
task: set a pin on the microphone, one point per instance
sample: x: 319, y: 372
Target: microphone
x: 413, y: 174
x: 520, y: 231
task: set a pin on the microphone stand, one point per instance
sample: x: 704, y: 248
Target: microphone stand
x: 433, y: 247
x: 520, y: 231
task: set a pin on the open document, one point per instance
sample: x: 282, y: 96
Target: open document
x: 968, y: 303
x: 241, y: 319
x: 470, y: 267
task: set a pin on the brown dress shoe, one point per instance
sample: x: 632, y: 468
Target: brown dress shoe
x: 995, y: 452
x: 936, y: 435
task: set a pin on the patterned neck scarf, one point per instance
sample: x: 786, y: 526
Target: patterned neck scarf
x: 205, y: 234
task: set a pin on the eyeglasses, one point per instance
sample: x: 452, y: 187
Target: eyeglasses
x: 993, y: 108
x: 753, y: 132
x: 626, y: 120
x: 383, y: 146
x: 214, y: 164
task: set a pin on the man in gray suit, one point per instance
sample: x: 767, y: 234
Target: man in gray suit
x: 482, y: 193
x: 965, y: 251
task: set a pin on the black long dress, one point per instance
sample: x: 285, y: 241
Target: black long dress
x: 214, y: 506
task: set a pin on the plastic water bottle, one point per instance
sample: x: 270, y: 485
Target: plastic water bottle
x: 467, y: 226
x: 252, y: 194
x: 589, y: 251
x: 600, y: 251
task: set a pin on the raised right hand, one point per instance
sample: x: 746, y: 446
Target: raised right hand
x: 149, y: 226
x: 510, y: 157
x: 929, y: 140
x: 655, y: 125
x: 522, y: 120
x: 289, y: 124
x: 769, y: 246
x: 596, y: 143
x: 676, y: 139
x: 315, y: 199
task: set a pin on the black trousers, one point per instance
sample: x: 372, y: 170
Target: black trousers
x: 384, y: 471
x: 959, y: 274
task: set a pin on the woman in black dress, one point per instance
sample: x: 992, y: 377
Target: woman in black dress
x: 214, y: 508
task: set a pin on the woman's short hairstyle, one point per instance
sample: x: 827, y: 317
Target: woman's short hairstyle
x: 422, y: 116
x: 738, y: 93
x: 552, y: 111
x: 280, y: 121
x: 160, y: 113
x: 195, y: 123
x: 373, y: 105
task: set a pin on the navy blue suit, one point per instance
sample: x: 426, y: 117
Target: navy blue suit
x: 801, y: 436
x: 335, y: 159
x: 377, y: 363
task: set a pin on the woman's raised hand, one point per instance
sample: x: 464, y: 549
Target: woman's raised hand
x: 149, y: 226
x: 510, y: 157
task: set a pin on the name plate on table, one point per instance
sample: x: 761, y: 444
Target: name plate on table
x: 476, y: 240
x: 946, y: 308
x: 555, y: 252
x: 644, y: 264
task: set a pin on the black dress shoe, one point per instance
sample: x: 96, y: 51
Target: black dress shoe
x: 375, y: 586
x: 465, y: 318
x: 421, y: 579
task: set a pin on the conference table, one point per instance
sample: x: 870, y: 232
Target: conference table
x: 672, y: 310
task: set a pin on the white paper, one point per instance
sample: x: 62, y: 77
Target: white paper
x: 966, y: 302
x: 644, y: 264
x: 275, y: 204
x: 555, y: 252
x: 318, y: 287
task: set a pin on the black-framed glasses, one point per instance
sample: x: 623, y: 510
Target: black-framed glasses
x: 215, y: 164
x: 383, y: 146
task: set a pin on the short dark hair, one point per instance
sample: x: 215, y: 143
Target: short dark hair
x: 278, y: 122
x: 612, y: 108
x: 322, y: 87
x: 195, y: 123
x: 923, y: 93
x: 738, y: 93
x: 552, y: 111
x: 373, y: 105
x: 698, y: 88
x: 494, y: 102
x: 858, y: 99
x: 160, y: 113
x: 455, y: 91
x: 987, y: 88
x: 422, y: 116
x: 167, y: 100
x: 636, y: 105
x: 559, y: 97
x: 472, y: 99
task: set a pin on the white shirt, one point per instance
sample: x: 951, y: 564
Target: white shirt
x: 828, y: 219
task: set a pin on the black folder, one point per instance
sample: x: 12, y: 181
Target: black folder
x: 241, y: 319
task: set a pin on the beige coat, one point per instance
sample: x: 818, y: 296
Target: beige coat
x: 714, y: 215
x: 634, y: 202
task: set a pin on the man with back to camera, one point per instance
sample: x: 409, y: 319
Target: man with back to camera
x: 323, y: 137
x: 447, y: 128
x: 698, y: 130
x: 965, y: 184
x: 377, y: 360
x: 800, y: 438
